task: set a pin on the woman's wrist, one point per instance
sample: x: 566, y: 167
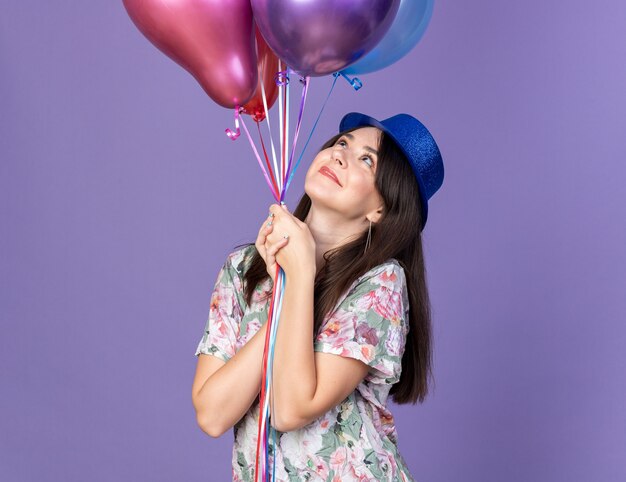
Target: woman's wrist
x: 301, y: 274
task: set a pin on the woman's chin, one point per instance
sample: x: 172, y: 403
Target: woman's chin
x: 320, y: 195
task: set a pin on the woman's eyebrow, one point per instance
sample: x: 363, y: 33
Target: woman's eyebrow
x: 370, y: 149
x: 367, y: 148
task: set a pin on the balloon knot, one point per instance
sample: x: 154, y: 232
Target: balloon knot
x: 355, y: 82
x: 282, y: 78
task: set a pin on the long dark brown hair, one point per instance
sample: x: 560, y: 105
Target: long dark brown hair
x: 395, y: 235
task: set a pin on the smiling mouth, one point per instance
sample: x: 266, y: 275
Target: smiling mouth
x: 328, y: 174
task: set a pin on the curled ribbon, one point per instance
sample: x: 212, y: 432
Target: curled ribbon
x: 354, y: 82
x: 233, y: 135
x: 282, y: 77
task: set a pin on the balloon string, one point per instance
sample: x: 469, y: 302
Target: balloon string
x: 283, y: 145
x: 262, y: 454
x: 267, y: 386
x: 261, y: 425
x: 286, y: 128
x: 256, y: 153
x: 284, y: 136
x: 282, y: 80
x: 280, y: 277
x: 311, y: 133
x: 267, y: 160
x: 269, y: 128
x: 281, y: 123
x: 274, y: 455
x: 305, y: 90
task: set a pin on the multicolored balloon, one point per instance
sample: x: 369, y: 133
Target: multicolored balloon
x: 406, y: 31
x: 320, y: 37
x: 212, y: 39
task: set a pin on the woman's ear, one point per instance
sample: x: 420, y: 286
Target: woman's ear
x: 374, y: 216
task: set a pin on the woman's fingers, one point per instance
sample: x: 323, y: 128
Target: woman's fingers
x: 262, y: 239
x: 266, y: 243
x: 271, y: 249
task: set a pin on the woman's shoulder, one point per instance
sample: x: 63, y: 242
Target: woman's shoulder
x: 389, y: 274
x: 392, y: 265
x: 383, y: 283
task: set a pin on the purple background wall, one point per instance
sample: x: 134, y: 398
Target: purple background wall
x: 121, y: 197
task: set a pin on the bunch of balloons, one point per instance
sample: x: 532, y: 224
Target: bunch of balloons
x: 218, y: 43
x: 243, y: 52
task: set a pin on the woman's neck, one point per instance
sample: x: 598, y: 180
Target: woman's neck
x: 331, y: 229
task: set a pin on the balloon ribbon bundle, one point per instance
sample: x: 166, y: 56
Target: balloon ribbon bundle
x: 278, y: 180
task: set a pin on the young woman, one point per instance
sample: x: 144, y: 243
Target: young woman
x: 355, y: 322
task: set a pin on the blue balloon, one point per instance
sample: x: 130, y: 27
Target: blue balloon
x: 406, y: 30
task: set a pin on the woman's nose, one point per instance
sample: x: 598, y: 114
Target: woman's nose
x: 338, y: 156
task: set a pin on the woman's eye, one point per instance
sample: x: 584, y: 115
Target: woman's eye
x: 341, y: 143
x: 369, y: 159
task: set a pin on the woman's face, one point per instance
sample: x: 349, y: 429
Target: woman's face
x: 352, y: 160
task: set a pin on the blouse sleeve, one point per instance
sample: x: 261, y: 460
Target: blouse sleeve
x: 221, y: 331
x: 371, y: 323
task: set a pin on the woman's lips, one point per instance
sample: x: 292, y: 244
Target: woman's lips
x: 328, y: 173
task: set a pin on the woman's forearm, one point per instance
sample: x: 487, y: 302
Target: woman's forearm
x: 227, y: 395
x: 294, y: 374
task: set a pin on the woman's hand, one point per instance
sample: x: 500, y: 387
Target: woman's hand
x: 296, y: 253
x: 268, y: 253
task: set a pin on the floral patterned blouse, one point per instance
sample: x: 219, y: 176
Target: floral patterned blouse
x: 356, y: 440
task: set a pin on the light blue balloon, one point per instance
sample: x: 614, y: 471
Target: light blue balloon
x: 406, y: 30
